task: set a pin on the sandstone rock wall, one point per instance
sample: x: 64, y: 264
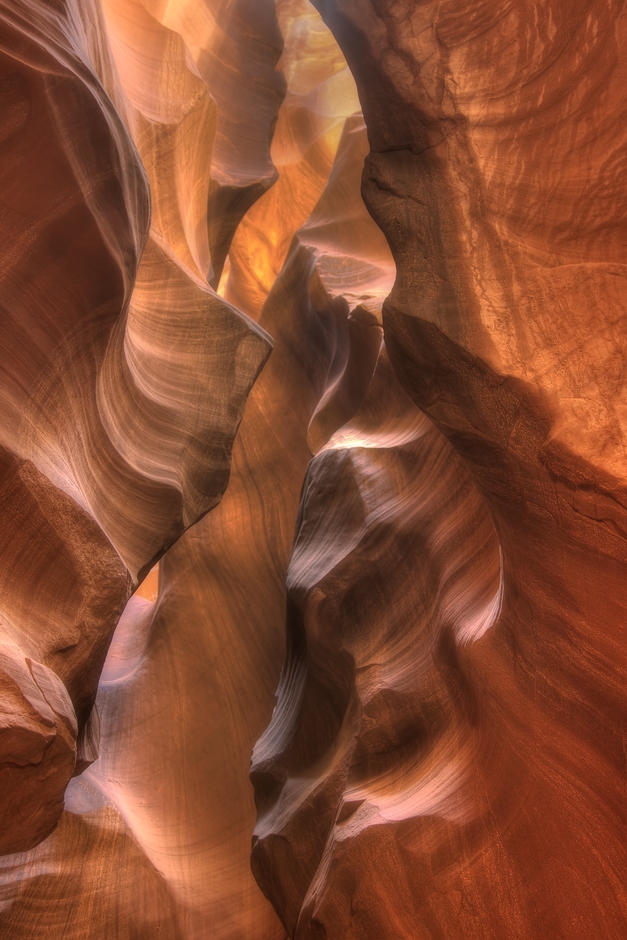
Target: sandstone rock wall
x: 124, y: 380
x: 408, y: 603
x: 497, y: 136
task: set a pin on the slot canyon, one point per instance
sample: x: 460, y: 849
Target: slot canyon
x: 313, y: 476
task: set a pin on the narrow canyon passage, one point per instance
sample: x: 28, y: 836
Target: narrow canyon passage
x: 313, y: 542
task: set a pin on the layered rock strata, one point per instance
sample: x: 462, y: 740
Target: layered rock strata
x: 446, y: 754
x: 497, y: 141
x: 123, y: 380
x: 189, y: 682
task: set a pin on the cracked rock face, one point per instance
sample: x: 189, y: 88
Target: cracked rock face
x: 385, y: 559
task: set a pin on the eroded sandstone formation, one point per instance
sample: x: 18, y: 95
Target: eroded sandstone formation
x: 123, y: 380
x: 170, y: 795
x: 497, y: 136
x: 422, y: 540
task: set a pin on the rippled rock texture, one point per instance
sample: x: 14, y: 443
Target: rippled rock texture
x: 447, y: 754
x: 124, y: 377
x: 422, y: 539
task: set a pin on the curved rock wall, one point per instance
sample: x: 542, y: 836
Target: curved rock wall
x: 496, y: 138
x: 114, y: 439
x: 189, y: 682
x: 422, y: 541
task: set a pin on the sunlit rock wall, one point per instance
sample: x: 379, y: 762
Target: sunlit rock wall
x: 189, y: 682
x: 124, y: 376
x: 407, y: 605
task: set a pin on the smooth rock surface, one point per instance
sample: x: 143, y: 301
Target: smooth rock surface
x: 497, y: 136
x: 119, y: 405
x: 189, y: 681
x: 425, y: 516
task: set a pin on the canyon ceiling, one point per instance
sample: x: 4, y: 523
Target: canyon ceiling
x: 313, y: 478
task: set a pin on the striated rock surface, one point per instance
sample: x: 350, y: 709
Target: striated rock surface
x: 483, y: 797
x: 119, y: 406
x: 425, y: 515
x: 235, y: 47
x: 395, y: 566
x: 189, y: 682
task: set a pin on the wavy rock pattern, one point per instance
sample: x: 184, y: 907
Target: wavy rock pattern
x: 189, y: 682
x: 114, y: 438
x: 395, y: 566
x: 235, y: 47
x: 446, y: 753
x: 497, y: 138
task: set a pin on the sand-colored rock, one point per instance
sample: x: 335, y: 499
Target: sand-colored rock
x: 114, y: 439
x: 496, y: 140
x: 189, y: 682
x: 425, y: 515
